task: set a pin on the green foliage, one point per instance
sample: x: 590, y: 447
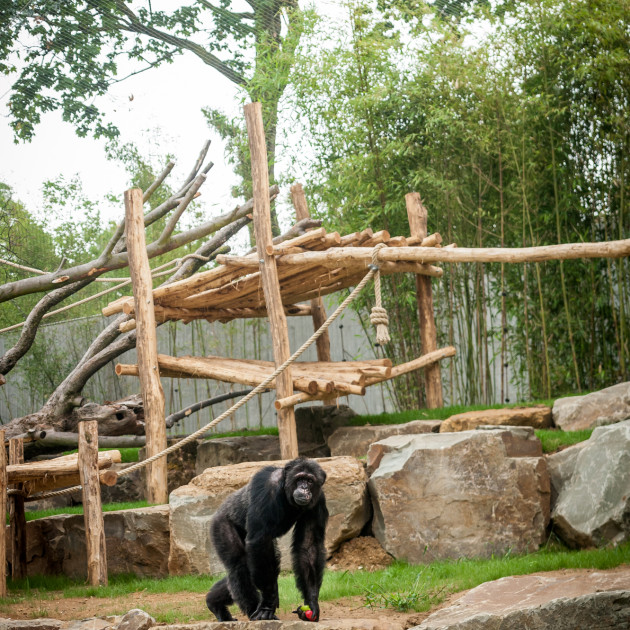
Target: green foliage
x: 262, y: 431
x: 417, y: 598
x: 514, y: 138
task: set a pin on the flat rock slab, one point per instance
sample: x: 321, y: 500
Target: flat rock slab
x: 588, y: 600
x: 93, y: 623
x: 324, y: 624
x: 596, y: 409
x: 538, y: 417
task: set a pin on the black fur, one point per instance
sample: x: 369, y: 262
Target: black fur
x: 244, y: 532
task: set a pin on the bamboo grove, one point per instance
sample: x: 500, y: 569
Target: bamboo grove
x: 516, y: 134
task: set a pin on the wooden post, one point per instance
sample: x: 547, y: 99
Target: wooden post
x: 92, y: 510
x: 318, y: 310
x: 269, y: 274
x: 146, y: 346
x: 417, y: 216
x: 3, y: 516
x: 17, y: 518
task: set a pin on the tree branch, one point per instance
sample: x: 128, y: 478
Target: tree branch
x: 98, y: 267
x: 136, y: 26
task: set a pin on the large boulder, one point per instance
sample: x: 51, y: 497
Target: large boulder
x: 606, y: 406
x: 355, y: 441
x: 593, y: 504
x: 453, y: 495
x: 193, y: 506
x: 316, y: 423
x: 247, y: 448
x: 537, y: 417
x: 137, y: 541
x: 562, y: 601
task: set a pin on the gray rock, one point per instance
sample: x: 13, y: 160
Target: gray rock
x: 136, y: 619
x: 193, y: 506
x: 519, y: 441
x: 247, y: 448
x: 561, y: 466
x: 316, y: 423
x: 355, y: 441
x: 583, y: 600
x: 601, y: 408
x: 593, y: 504
x: 452, y: 495
x: 137, y: 541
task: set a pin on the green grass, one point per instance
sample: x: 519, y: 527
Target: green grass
x: 401, y: 586
x: 78, y: 509
x: 243, y: 432
x: 553, y: 439
x: 433, y: 414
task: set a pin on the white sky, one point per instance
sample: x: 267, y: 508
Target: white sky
x: 163, y: 117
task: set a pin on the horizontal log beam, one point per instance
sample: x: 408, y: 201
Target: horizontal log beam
x: 68, y: 464
x: 345, y: 256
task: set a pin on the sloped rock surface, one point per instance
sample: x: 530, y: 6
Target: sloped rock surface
x: 537, y: 417
x: 355, y: 441
x: 452, y: 495
x: 193, y: 506
x: 137, y: 541
x: 593, y: 486
x: 584, y: 600
x: 601, y: 408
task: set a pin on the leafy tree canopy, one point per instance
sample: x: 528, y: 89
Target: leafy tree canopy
x: 68, y: 53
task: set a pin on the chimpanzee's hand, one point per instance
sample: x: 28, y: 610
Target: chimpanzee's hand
x: 306, y: 613
x: 262, y: 613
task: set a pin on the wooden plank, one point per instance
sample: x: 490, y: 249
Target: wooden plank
x: 269, y: 273
x: 92, y: 509
x: 146, y: 346
x: 3, y: 517
x: 17, y: 517
x: 318, y: 310
x: 417, y: 216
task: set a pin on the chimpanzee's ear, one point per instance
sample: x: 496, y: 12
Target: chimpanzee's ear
x: 323, y: 476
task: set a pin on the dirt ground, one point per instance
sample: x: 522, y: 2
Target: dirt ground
x: 359, y: 553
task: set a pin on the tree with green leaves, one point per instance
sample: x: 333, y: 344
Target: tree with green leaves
x: 66, y: 54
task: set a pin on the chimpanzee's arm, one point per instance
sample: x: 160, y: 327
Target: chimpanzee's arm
x: 309, y: 554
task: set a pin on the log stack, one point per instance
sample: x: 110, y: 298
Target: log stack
x: 234, y: 289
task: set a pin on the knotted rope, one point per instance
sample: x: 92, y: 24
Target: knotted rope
x: 378, y: 315
x: 373, y: 269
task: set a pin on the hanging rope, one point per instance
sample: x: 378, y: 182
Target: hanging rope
x: 373, y: 269
x: 378, y: 315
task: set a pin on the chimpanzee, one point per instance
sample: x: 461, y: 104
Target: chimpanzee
x: 244, y: 532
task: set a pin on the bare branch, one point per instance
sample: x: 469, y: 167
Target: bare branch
x: 98, y: 267
x: 24, y: 343
x: 158, y: 182
x: 170, y: 226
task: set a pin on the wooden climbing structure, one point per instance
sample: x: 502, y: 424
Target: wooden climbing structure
x: 290, y: 278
